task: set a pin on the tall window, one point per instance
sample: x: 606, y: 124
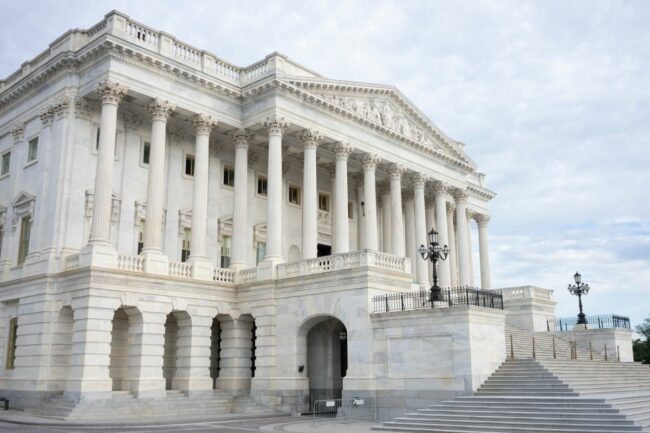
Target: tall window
x: 141, y: 237
x: 294, y: 195
x: 324, y: 202
x: 229, y: 176
x: 32, y: 150
x: 146, y: 150
x: 189, y: 165
x: 6, y: 162
x: 262, y: 185
x: 23, y: 246
x: 185, y: 249
x: 260, y: 253
x: 11, y: 343
x: 225, y: 251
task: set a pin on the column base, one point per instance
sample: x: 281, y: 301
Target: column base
x: 98, y: 255
x: 202, y: 269
x: 155, y: 263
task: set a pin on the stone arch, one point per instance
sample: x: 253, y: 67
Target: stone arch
x: 61, y: 353
x: 126, y: 347
x: 322, y: 351
x: 177, y: 348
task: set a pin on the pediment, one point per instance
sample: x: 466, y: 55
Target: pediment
x: 388, y: 109
x: 22, y: 199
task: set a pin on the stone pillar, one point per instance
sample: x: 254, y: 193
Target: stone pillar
x: 240, y: 202
x: 155, y: 261
x: 146, y: 351
x: 276, y: 127
x: 369, y: 162
x: 482, y: 221
x: 342, y: 239
x: 397, y: 222
x: 461, y: 238
x: 453, y: 254
x: 470, y: 217
x: 310, y: 140
x: 420, y: 229
x: 201, y: 267
x: 440, y: 198
x: 409, y: 230
x: 386, y: 223
x: 331, y: 169
x: 430, y: 206
x: 361, y: 212
x: 193, y: 354
x: 235, y: 364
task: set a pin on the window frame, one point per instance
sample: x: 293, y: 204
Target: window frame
x: 186, y: 238
x: 223, y: 177
x: 12, y: 339
x: 228, y: 246
x: 187, y: 156
x: 23, y: 244
x: 2, y: 159
x: 291, y: 186
x: 143, y: 146
x: 29, y: 149
x: 328, y: 197
x: 258, y: 178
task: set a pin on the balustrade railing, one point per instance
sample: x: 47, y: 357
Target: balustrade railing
x: 224, y: 275
x: 72, y: 262
x: 247, y: 275
x: 180, y: 269
x: 143, y: 34
x: 130, y: 263
x: 599, y: 321
x: 422, y: 299
x: 338, y: 262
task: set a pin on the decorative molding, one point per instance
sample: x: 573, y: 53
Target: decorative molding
x: 481, y: 219
x: 22, y: 206
x: 60, y: 106
x: 141, y: 212
x: 3, y: 218
x: 184, y: 220
x: 46, y: 115
x: 342, y: 150
x: 161, y: 109
x: 203, y: 124
x: 276, y: 125
x: 396, y: 170
x: 116, y: 205
x: 242, y: 137
x: 369, y: 161
x: 419, y: 180
x: 110, y: 92
x: 83, y: 108
x: 18, y: 132
x: 440, y: 187
x: 460, y: 195
x: 310, y: 138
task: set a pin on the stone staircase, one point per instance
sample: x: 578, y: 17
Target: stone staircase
x: 123, y: 405
x: 544, y: 396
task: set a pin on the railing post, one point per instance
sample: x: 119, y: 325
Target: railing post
x: 534, y: 354
x: 387, y: 309
x: 449, y: 294
x: 401, y: 296
x: 554, y: 352
x: 618, y: 353
x: 591, y: 353
x: 512, y: 348
x: 606, y: 352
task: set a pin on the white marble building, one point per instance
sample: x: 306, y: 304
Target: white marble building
x: 171, y: 221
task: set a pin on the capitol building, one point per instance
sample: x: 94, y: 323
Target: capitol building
x: 173, y: 224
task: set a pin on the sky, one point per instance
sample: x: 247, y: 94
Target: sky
x: 552, y: 99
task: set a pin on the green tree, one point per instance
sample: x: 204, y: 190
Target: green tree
x: 641, y: 347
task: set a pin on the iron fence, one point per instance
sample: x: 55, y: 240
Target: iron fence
x: 593, y: 322
x: 355, y: 408
x: 441, y: 298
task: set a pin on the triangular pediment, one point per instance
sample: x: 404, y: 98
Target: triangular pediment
x: 22, y: 199
x: 388, y: 109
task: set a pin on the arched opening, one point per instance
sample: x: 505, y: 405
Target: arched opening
x: 177, y: 345
x: 324, y: 339
x: 62, y: 345
x: 215, y: 351
x: 125, y: 344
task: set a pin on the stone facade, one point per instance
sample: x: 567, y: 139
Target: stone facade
x: 172, y: 221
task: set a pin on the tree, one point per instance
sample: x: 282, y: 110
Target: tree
x: 641, y: 347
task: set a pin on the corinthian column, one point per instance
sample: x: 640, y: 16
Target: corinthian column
x: 310, y: 140
x: 420, y: 228
x: 240, y: 202
x: 369, y: 162
x: 430, y: 206
x: 111, y: 95
x: 409, y: 230
x: 461, y: 234
x: 342, y: 240
x: 470, y: 217
x: 482, y: 221
x: 201, y: 266
x: 440, y: 197
x: 453, y: 254
x: 397, y: 221
x: 384, y: 190
x: 276, y: 127
x: 155, y: 262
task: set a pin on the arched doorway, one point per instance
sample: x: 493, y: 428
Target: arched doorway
x: 125, y: 344
x: 325, y: 341
x: 177, y: 345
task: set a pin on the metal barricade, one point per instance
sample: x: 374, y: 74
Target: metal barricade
x: 345, y: 410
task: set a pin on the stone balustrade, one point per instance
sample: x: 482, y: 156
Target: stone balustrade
x: 247, y: 275
x: 130, y: 263
x: 526, y: 292
x: 222, y: 275
x: 180, y: 269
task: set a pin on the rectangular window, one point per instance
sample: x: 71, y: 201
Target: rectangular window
x: 262, y: 185
x: 189, y: 165
x: 6, y: 162
x: 294, y: 195
x: 185, y: 249
x: 23, y: 246
x: 324, y: 202
x: 11, y: 343
x: 350, y: 210
x: 146, y: 150
x: 141, y: 237
x: 32, y: 150
x: 261, y: 252
x: 229, y: 176
x: 225, y: 252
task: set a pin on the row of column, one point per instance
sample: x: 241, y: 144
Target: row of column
x: 393, y: 222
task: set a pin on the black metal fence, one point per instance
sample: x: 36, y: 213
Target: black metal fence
x: 593, y: 322
x: 442, y: 298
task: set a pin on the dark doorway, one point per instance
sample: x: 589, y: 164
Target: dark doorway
x: 324, y: 250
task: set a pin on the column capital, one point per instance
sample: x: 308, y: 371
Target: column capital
x: 451, y: 207
x: 469, y: 213
x: 439, y: 187
x: 60, y: 106
x: 383, y: 188
x: 132, y: 120
x: 242, y: 137
x: 419, y: 180
x: 310, y: 138
x: 160, y: 109
x: 460, y: 194
x: 46, y: 116
x: 342, y: 150
x: 110, y: 92
x: 276, y: 125
x: 396, y: 170
x: 407, y: 194
x: 18, y: 132
x: 370, y: 161
x: 203, y: 124
x: 481, y: 219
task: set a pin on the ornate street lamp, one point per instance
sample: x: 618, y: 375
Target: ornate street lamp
x: 579, y: 289
x: 434, y: 252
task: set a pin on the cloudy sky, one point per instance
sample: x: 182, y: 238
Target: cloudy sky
x: 551, y: 97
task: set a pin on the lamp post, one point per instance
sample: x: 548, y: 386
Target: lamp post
x: 434, y: 252
x: 579, y: 289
